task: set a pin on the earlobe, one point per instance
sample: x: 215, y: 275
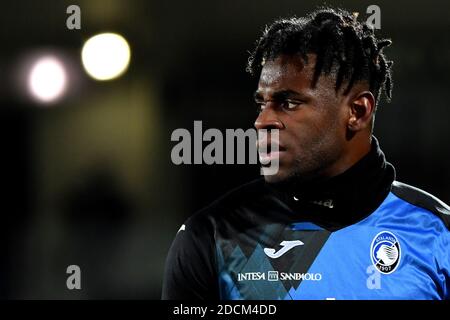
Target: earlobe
x: 352, y: 122
x: 361, y: 111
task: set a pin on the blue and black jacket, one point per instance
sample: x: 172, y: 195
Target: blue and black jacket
x: 359, y: 235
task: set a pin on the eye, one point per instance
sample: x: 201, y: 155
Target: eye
x: 291, y: 104
x: 259, y: 106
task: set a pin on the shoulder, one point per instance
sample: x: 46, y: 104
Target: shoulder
x: 422, y: 199
x: 434, y: 217
x: 236, y: 206
x: 244, y: 195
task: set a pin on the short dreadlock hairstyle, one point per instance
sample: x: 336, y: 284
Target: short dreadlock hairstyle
x: 342, y: 44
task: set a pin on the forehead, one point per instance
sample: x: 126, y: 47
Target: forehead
x: 287, y: 72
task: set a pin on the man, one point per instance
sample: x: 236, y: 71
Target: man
x: 332, y: 223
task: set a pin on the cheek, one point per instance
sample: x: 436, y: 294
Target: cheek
x: 333, y: 117
x: 333, y: 131
x: 340, y: 123
x: 320, y: 130
x: 321, y: 123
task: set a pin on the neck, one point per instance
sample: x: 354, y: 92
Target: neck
x: 350, y: 195
x: 358, y: 147
x: 348, y: 160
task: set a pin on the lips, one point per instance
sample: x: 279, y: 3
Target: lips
x: 269, y: 157
x: 261, y: 144
x: 270, y: 152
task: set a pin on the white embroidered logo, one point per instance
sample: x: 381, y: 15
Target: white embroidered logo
x: 287, y: 245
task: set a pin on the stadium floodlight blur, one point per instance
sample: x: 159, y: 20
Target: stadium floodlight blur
x: 106, y: 56
x: 47, y: 79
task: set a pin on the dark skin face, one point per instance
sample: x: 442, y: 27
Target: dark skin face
x: 322, y: 132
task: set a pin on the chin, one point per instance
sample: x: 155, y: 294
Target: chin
x: 278, y: 177
x: 287, y: 180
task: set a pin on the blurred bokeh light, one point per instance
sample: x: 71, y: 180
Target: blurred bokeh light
x: 47, y: 79
x: 106, y: 56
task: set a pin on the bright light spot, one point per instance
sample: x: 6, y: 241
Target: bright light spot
x: 105, y: 56
x: 47, y: 79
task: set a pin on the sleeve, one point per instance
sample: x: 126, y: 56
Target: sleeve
x: 444, y: 262
x: 190, y: 269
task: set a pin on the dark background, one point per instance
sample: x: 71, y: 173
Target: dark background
x: 89, y: 181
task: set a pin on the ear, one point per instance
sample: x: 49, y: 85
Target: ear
x: 361, y: 109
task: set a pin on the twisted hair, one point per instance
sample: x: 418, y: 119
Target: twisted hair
x: 342, y: 45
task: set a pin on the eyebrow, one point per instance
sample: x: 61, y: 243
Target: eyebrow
x: 280, y: 95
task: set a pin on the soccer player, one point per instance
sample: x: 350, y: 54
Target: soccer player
x: 333, y: 223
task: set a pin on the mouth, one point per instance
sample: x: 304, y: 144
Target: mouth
x: 272, y: 152
x: 266, y: 159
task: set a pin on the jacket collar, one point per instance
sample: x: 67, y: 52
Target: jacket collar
x: 346, y: 198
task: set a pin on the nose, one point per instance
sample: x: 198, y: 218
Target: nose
x: 268, y: 119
